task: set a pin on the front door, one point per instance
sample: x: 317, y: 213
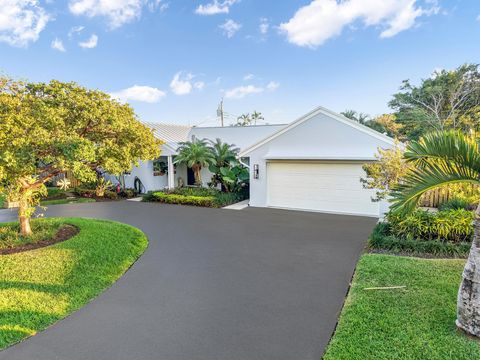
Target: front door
x: 190, y: 177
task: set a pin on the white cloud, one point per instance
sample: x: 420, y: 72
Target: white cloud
x: 248, y: 77
x: 230, y: 28
x: 118, y: 12
x: 90, y: 43
x: 75, y: 30
x: 57, y: 44
x: 181, y: 84
x: 264, y: 26
x: 272, y: 86
x: 21, y: 21
x: 215, y: 7
x: 478, y: 18
x: 139, y: 93
x: 321, y: 20
x: 242, y: 91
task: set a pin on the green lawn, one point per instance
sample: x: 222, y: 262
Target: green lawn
x: 40, y: 287
x: 417, y: 322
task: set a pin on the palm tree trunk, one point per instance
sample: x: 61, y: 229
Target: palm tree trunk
x: 468, y: 303
x: 196, y: 172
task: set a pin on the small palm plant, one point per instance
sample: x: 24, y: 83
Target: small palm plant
x: 224, y: 155
x: 195, y: 154
x: 443, y: 158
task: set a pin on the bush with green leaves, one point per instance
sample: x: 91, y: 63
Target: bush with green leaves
x: 167, y: 198
x: 192, y: 195
x: 382, y: 239
x: 450, y: 225
x: 455, y: 204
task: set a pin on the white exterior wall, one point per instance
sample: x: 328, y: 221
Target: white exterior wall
x: 319, y: 138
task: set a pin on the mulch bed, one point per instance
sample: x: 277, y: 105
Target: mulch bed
x: 64, y: 233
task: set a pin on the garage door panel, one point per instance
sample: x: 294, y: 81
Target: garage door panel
x: 333, y: 187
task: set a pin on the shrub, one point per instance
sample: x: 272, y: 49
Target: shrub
x: 54, y: 193
x: 88, y: 193
x: 128, y: 193
x: 450, y: 225
x: 108, y: 194
x: 168, y: 198
x: 383, y: 239
x: 455, y: 204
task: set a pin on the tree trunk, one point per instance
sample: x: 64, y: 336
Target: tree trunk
x: 468, y: 303
x: 24, y: 219
x: 198, y: 177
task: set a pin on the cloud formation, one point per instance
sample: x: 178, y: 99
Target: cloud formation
x: 321, y: 20
x: 230, y: 28
x: 215, y: 7
x: 140, y: 93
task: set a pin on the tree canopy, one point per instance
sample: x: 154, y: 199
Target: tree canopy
x: 49, y: 128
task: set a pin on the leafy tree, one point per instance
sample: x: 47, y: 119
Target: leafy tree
x: 196, y: 155
x: 437, y: 159
x: 49, y: 128
x: 446, y: 100
x: 385, y: 173
x: 388, y: 123
x: 234, y: 177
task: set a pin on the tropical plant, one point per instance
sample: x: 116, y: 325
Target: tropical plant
x: 235, y: 177
x: 244, y: 120
x: 438, y: 159
x: 102, y: 186
x: 196, y: 155
x: 224, y: 154
x: 361, y: 118
x: 49, y: 128
x: 257, y: 116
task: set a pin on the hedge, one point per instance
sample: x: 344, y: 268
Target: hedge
x: 206, y: 201
x: 383, y: 239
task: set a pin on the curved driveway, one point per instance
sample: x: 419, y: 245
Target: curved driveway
x: 213, y: 285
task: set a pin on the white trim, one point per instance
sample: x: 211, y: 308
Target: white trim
x: 318, y: 158
x: 311, y: 114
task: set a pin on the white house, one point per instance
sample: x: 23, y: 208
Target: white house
x: 314, y: 163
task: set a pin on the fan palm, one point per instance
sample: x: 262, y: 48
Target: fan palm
x: 438, y: 159
x: 196, y: 155
x: 257, y: 116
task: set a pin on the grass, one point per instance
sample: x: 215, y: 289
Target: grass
x: 40, y: 287
x: 43, y: 229
x: 66, y: 201
x: 417, y: 322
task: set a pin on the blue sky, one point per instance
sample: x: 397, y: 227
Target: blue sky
x: 173, y: 60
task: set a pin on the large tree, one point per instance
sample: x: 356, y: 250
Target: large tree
x: 443, y: 158
x: 49, y: 128
x: 445, y: 100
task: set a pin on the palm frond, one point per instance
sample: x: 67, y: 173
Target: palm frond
x: 429, y: 176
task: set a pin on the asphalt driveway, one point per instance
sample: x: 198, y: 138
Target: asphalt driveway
x: 213, y: 285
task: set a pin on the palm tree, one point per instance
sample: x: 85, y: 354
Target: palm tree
x: 257, y: 116
x: 195, y: 154
x: 438, y: 159
x: 244, y: 120
x: 358, y: 117
x: 222, y: 152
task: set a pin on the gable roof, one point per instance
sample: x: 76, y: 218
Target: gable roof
x: 171, y: 134
x: 308, y: 116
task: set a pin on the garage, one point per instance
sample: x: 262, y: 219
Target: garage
x: 315, y: 164
x: 327, y: 186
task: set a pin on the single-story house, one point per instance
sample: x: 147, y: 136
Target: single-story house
x: 314, y: 163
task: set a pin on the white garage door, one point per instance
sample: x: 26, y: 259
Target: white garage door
x: 328, y: 186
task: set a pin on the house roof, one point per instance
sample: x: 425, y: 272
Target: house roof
x: 310, y: 115
x: 240, y: 136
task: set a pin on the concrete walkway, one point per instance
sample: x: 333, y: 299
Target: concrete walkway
x: 213, y: 285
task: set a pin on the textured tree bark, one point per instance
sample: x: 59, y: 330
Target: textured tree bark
x: 468, y: 303
x: 196, y: 171
x: 25, y: 229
